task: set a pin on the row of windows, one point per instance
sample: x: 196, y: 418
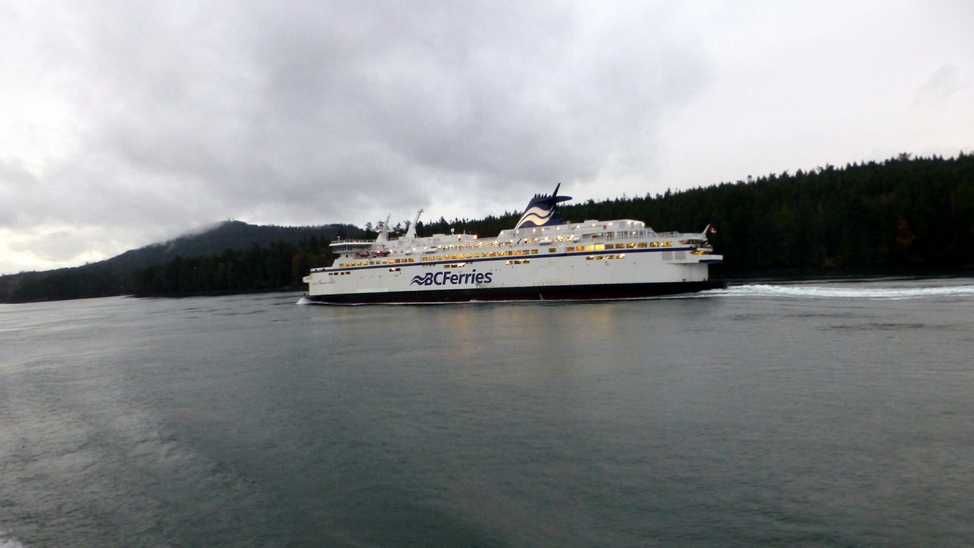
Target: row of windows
x: 345, y: 273
x: 597, y: 236
x: 467, y: 246
x: 630, y: 245
x: 481, y: 255
x: 548, y: 239
x: 500, y: 243
x: 516, y: 252
x: 629, y: 233
x: 379, y: 262
x: 514, y: 262
x: 617, y: 234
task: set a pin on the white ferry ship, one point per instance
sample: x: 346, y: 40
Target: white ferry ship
x: 541, y: 258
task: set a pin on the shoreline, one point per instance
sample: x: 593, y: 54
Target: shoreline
x: 741, y: 277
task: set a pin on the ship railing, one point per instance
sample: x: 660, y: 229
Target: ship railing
x: 353, y: 242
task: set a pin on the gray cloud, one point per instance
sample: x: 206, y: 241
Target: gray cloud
x: 135, y: 121
x: 944, y: 83
x: 331, y: 102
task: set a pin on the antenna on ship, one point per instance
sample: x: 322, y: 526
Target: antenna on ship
x: 383, y: 230
x: 411, y: 228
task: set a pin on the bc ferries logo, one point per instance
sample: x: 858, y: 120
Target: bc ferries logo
x: 542, y: 210
x: 453, y: 278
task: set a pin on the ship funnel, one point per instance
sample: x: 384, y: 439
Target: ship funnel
x: 542, y: 210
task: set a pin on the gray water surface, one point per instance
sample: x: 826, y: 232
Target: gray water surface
x: 812, y: 414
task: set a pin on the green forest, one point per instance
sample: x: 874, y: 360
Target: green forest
x: 903, y: 212
x: 260, y: 268
x: 230, y: 258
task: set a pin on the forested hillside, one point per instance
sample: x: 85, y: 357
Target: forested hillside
x: 901, y: 212
x: 260, y: 268
x: 239, y: 246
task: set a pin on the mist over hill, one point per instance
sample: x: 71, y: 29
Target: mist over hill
x: 116, y: 276
x: 901, y: 213
x: 235, y: 235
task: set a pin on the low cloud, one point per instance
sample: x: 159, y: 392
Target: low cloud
x: 143, y: 120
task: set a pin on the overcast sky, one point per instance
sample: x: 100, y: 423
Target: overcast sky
x: 127, y: 123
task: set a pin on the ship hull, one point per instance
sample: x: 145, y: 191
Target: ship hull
x: 533, y: 293
x: 591, y: 260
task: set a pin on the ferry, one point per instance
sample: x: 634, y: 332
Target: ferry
x: 541, y: 258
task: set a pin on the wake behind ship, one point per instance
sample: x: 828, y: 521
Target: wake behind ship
x: 541, y: 258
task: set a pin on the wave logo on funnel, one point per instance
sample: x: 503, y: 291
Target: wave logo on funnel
x: 542, y: 210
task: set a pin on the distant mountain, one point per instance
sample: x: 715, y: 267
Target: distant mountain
x: 904, y: 212
x: 116, y: 276
x: 236, y: 235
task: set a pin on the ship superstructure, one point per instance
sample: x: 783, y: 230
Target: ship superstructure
x: 541, y: 258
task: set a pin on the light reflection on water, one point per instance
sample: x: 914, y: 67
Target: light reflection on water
x: 788, y: 414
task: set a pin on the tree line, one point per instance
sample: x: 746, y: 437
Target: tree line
x: 903, y: 211
x: 260, y: 268
x: 278, y: 265
x: 900, y: 212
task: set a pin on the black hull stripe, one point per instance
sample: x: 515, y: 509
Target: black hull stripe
x: 536, y: 293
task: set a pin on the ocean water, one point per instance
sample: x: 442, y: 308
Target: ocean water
x: 805, y: 414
